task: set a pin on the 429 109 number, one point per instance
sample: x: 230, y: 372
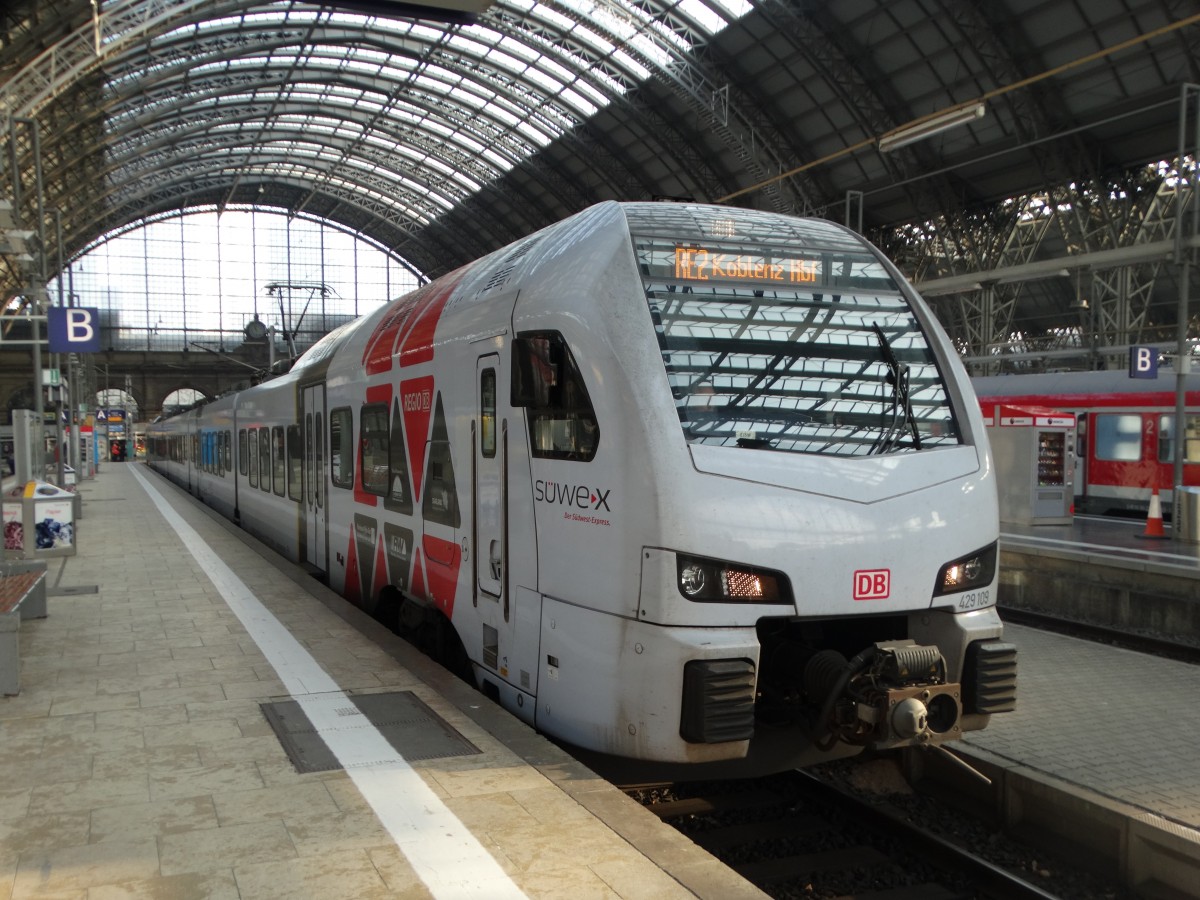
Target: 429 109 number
x: 975, y: 600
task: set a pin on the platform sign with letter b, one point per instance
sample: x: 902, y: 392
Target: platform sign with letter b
x: 1143, y: 362
x: 73, y: 329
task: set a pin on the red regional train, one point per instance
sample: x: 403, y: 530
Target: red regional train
x: 1125, y: 431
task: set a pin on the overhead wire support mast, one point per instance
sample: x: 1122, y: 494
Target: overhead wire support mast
x: 1184, y: 254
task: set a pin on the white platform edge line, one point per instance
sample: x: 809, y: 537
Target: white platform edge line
x: 443, y: 852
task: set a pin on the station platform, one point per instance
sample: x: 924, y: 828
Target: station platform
x: 1100, y: 540
x: 137, y: 761
x: 1099, y: 758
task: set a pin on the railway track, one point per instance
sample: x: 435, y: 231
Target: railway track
x: 1104, y: 634
x: 796, y: 836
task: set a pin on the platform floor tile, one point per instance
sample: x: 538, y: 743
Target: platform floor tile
x: 138, y: 763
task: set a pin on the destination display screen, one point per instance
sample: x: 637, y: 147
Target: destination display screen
x: 698, y: 263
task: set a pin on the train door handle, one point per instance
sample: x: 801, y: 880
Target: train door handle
x: 494, y: 560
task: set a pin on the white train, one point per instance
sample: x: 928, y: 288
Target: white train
x: 670, y: 482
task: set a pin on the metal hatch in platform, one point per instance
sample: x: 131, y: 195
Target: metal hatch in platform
x: 414, y: 730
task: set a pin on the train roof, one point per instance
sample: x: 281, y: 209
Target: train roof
x: 1064, y: 385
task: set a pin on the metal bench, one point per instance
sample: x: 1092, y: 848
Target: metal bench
x: 22, y: 596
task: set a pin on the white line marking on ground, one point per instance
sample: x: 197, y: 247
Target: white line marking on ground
x: 442, y: 851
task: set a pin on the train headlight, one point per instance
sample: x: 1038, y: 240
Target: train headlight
x: 714, y: 581
x: 968, y: 572
x: 691, y: 579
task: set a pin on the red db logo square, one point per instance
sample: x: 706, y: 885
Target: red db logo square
x: 872, y: 584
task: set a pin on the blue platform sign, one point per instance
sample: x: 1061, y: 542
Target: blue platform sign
x: 1143, y: 362
x: 73, y: 329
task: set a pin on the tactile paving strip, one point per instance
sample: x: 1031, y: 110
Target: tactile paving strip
x: 414, y: 730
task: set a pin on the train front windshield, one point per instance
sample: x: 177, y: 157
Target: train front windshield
x: 786, y: 334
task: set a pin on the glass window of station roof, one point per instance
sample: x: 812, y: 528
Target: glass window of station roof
x: 155, y: 287
x: 530, y: 71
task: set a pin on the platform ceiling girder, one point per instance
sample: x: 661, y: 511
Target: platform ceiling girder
x: 443, y: 141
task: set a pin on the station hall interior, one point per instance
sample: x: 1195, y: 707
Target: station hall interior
x: 1029, y: 166
x: 208, y: 189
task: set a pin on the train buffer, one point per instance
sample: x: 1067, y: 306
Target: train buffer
x: 22, y: 596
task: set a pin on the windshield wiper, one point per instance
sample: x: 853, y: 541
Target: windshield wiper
x: 901, y: 405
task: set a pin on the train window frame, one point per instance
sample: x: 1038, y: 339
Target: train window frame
x: 375, y: 441
x: 487, y: 412
x: 252, y: 457
x: 1105, y: 441
x: 341, y: 447
x: 439, y: 501
x: 264, y: 458
x: 243, y: 453
x: 278, y: 460
x: 295, y: 459
x: 1166, y: 439
x: 547, y: 383
x: 399, y: 496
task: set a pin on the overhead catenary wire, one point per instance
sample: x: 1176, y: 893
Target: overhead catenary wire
x: 983, y: 98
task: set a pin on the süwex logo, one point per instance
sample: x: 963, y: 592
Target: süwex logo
x: 579, y: 496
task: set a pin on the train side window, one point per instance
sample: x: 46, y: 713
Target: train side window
x: 243, y: 453
x: 1118, y: 437
x: 264, y: 458
x: 440, y: 503
x: 1166, y: 439
x: 487, y: 413
x: 252, y: 457
x: 278, y: 460
x: 295, y: 462
x: 341, y: 446
x: 399, y: 498
x: 228, y: 454
x: 373, y: 426
x: 546, y: 381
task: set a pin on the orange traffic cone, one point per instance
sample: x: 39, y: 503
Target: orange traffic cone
x: 1154, y: 520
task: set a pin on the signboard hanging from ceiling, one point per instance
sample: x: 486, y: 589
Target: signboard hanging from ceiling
x: 73, y: 329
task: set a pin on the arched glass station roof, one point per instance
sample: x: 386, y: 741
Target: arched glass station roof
x: 442, y: 131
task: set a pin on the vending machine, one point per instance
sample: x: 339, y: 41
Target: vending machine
x: 1033, y: 449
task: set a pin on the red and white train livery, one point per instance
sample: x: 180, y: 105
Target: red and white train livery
x: 670, y: 482
x: 1125, y: 428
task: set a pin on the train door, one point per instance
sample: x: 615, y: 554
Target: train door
x: 509, y: 614
x: 315, y: 481
x: 488, y: 489
x: 191, y: 451
x: 1082, y: 452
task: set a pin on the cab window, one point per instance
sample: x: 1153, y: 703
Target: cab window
x: 546, y: 381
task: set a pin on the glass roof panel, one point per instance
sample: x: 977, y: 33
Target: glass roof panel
x: 702, y: 12
x: 350, y: 103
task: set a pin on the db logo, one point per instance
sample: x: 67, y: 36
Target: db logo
x: 872, y: 584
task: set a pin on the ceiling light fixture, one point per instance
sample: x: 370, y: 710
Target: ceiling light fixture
x: 931, y: 125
